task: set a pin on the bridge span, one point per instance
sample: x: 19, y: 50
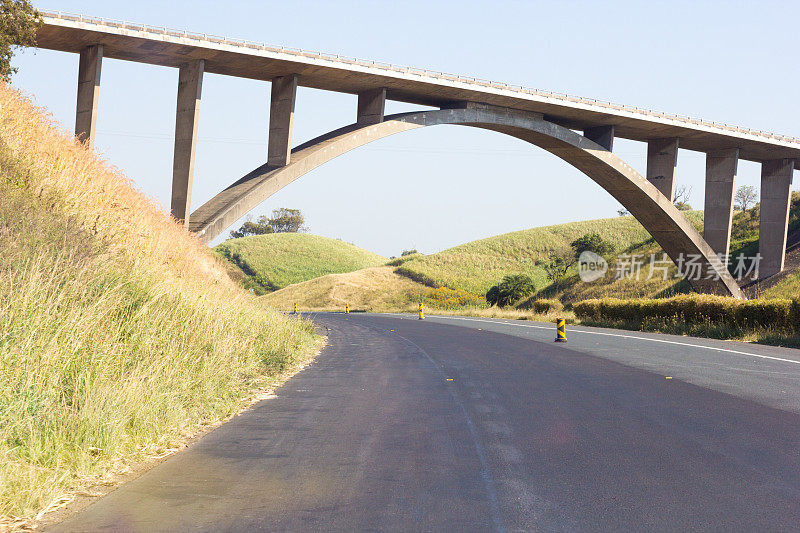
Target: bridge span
x: 579, y: 130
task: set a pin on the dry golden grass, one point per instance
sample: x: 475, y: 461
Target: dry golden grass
x: 94, y: 194
x: 370, y: 289
x: 120, y: 333
x: 514, y: 314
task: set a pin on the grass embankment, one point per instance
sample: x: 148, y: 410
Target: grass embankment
x: 274, y: 261
x: 119, y: 333
x: 476, y: 266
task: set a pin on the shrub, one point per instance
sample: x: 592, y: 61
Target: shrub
x: 511, y: 289
x: 544, y: 306
x: 447, y: 298
x: 591, y: 242
x: 694, y: 309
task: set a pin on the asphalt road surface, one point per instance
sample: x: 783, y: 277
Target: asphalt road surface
x: 453, y: 424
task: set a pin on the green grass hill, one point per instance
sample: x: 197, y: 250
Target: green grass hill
x: 277, y: 260
x: 475, y: 266
x: 744, y: 240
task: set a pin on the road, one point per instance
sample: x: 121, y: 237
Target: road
x: 454, y: 424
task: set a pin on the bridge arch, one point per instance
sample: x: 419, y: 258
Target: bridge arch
x: 645, y: 202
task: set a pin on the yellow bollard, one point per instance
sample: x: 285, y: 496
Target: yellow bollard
x: 561, y: 330
x: 346, y: 308
x: 421, y: 312
x: 295, y: 308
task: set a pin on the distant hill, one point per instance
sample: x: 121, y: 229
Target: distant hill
x: 475, y: 266
x: 372, y: 289
x: 274, y: 261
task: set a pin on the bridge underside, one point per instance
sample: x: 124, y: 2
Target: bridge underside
x: 643, y: 199
x: 540, y: 118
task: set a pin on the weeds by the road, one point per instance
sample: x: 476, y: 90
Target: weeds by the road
x: 119, y: 332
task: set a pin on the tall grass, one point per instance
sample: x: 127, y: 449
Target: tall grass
x: 119, y: 332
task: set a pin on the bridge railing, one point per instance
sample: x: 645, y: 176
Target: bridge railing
x: 414, y: 71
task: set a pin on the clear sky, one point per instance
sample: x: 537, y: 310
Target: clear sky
x: 430, y: 189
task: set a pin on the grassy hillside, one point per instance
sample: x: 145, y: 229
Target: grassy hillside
x: 372, y: 289
x: 744, y: 241
x: 278, y: 260
x: 119, y: 332
x: 477, y: 265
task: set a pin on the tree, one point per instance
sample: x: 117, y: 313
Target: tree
x: 746, y: 196
x: 493, y: 295
x: 283, y: 220
x: 19, y: 22
x: 681, y: 198
x: 286, y: 220
x: 558, y: 264
x: 259, y: 227
x: 511, y: 289
x: 408, y: 252
x: 591, y: 242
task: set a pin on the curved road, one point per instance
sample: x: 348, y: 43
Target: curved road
x: 457, y: 424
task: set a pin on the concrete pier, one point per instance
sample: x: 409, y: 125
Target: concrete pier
x: 190, y: 85
x: 602, y: 135
x: 91, y: 60
x: 721, y: 167
x: 662, y: 159
x: 776, y: 192
x: 281, y: 117
x: 371, y: 106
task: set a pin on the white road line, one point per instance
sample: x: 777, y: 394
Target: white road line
x: 663, y: 341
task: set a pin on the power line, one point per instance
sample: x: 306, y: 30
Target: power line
x: 254, y: 142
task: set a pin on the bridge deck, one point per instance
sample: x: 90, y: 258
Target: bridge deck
x: 162, y: 46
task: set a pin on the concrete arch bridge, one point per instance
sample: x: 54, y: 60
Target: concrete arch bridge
x: 580, y: 131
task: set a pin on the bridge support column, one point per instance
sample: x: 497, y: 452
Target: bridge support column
x: 281, y: 117
x: 662, y: 158
x: 190, y: 85
x: 776, y: 192
x: 88, y: 93
x: 721, y: 167
x: 371, y: 106
x: 602, y: 135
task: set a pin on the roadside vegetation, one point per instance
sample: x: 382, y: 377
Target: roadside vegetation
x: 770, y: 321
x: 119, y: 333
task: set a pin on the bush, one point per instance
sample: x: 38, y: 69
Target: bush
x: 694, y: 309
x: 544, y: 306
x: 447, y: 298
x: 511, y: 289
x: 397, y: 261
